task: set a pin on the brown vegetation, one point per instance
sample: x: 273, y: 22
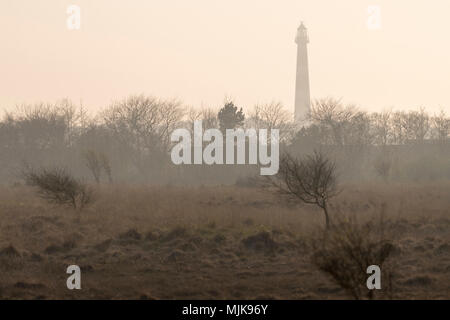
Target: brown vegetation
x: 345, y: 252
x: 58, y: 186
x: 195, y: 239
x: 217, y: 243
x: 131, y: 139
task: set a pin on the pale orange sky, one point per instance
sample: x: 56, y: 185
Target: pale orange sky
x: 203, y: 50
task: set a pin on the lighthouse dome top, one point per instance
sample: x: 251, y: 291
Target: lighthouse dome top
x: 302, y: 34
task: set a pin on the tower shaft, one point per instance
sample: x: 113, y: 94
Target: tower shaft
x: 302, y: 91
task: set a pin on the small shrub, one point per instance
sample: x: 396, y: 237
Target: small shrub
x: 9, y: 252
x: 59, y: 187
x: 131, y: 234
x: 177, y: 232
x: 262, y: 241
x: 347, y: 250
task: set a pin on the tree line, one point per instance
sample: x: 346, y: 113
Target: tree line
x: 129, y: 141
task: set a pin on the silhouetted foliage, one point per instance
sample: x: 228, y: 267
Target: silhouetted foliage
x: 311, y: 179
x: 142, y: 126
x: 230, y: 117
x: 346, y: 251
x: 132, y: 137
x: 57, y: 186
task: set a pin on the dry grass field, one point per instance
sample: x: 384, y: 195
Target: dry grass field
x: 213, y: 243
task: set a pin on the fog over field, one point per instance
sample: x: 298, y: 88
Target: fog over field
x: 170, y: 150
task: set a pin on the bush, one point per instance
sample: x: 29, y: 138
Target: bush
x: 345, y: 252
x: 311, y: 179
x: 58, y: 186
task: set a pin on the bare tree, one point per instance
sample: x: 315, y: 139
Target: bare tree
x: 145, y: 121
x: 272, y: 116
x: 104, y: 161
x: 208, y: 116
x: 358, y: 132
x: 171, y: 115
x: 41, y: 127
x: 97, y: 162
x: 75, y: 118
x: 340, y: 124
x: 311, y: 179
x: 398, y: 130
x: 416, y: 125
x: 93, y: 163
x: 382, y: 132
x: 63, y: 120
x: 143, y: 126
x: 441, y: 126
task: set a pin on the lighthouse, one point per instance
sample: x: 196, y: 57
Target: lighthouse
x: 302, y: 95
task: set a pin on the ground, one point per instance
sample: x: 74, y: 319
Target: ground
x: 224, y: 242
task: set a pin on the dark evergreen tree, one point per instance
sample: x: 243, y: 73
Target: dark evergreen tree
x: 230, y: 117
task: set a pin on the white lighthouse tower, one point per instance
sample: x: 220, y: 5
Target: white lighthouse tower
x: 302, y: 95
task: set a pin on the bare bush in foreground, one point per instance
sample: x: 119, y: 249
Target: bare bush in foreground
x: 347, y: 250
x: 59, y: 187
x: 311, y: 179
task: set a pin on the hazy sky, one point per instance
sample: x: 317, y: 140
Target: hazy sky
x: 203, y: 50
